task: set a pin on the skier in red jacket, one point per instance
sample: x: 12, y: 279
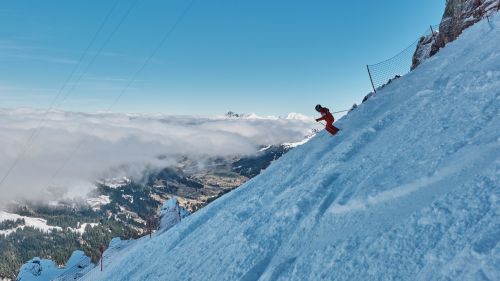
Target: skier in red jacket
x: 328, y: 117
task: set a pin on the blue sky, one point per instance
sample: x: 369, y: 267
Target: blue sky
x: 269, y: 57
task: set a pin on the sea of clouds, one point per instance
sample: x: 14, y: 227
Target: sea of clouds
x: 63, y: 153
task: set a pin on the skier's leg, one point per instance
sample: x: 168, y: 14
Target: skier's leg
x: 331, y: 129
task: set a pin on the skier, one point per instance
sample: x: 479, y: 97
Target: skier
x: 328, y: 117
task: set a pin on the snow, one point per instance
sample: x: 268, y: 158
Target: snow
x: 245, y: 116
x: 424, y: 48
x: 117, y: 248
x: 38, y: 269
x: 129, y: 198
x: 253, y: 116
x: 265, y: 148
x: 307, y: 138
x: 96, y: 202
x: 299, y: 143
x: 312, y: 133
x: 408, y: 190
x: 491, y: 6
x: 81, y: 229
x: 38, y: 223
x: 298, y: 116
x: 171, y: 213
x: 115, y: 182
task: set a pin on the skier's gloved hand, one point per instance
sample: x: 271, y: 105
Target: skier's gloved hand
x: 317, y: 120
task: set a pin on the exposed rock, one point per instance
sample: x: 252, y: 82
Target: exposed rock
x: 458, y: 15
x: 38, y: 269
x: 423, y: 50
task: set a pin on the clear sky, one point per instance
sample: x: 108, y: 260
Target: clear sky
x: 270, y: 57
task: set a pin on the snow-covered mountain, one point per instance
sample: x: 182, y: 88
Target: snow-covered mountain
x: 253, y: 116
x: 408, y: 190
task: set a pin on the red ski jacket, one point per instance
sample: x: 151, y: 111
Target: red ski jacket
x: 326, y: 115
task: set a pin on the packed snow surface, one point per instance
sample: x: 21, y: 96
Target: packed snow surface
x: 408, y: 190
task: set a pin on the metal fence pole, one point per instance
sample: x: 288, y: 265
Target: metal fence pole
x: 101, y: 250
x: 432, y: 32
x: 371, y: 80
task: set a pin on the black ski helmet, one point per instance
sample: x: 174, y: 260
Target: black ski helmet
x: 318, y: 107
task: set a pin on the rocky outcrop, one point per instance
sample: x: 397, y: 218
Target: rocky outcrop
x: 458, y: 15
x: 38, y: 269
x: 423, y: 50
x: 171, y: 213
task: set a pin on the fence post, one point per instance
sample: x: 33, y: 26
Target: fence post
x: 371, y: 80
x: 433, y: 36
x: 101, y: 249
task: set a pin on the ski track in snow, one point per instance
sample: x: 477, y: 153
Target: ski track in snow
x: 408, y: 190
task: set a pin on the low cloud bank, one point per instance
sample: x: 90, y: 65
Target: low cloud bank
x: 73, y: 149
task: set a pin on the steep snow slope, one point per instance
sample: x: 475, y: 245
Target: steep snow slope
x: 408, y: 190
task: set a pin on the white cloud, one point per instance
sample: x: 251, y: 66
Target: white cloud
x: 96, y: 144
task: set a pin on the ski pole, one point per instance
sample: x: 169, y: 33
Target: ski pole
x: 340, y: 111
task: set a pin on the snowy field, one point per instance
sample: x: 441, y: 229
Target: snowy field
x: 38, y: 223
x: 408, y: 190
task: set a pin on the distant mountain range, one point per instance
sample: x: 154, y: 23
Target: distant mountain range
x: 290, y: 116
